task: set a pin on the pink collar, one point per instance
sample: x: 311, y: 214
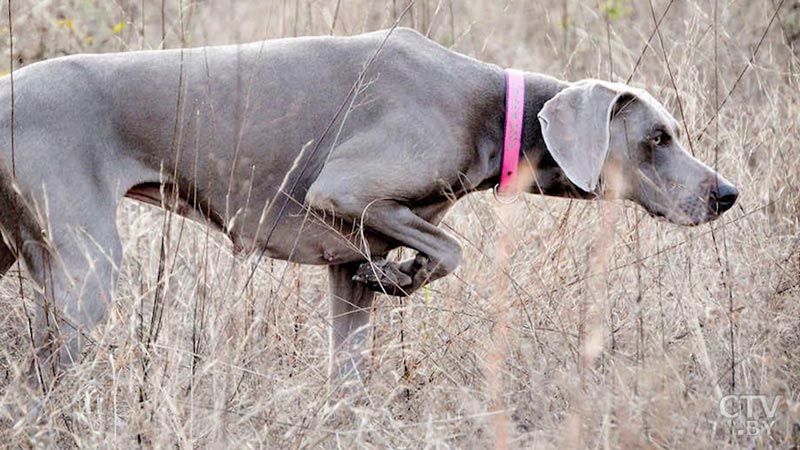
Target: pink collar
x: 515, y: 109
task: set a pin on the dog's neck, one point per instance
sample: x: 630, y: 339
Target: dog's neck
x: 537, y: 166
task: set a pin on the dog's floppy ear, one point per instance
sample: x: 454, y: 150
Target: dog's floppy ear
x: 575, y: 126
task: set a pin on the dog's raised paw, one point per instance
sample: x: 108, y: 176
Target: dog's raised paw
x: 383, y: 276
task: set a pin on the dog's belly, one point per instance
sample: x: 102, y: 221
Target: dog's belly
x: 306, y: 240
x: 313, y: 237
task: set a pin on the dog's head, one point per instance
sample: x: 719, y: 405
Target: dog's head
x: 594, y: 129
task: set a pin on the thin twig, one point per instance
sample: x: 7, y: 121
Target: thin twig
x: 671, y: 77
x: 741, y: 74
x: 17, y: 226
x: 647, y: 43
x: 335, y: 16
x: 608, y: 41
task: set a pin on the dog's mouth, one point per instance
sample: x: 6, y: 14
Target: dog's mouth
x: 678, y: 216
x: 673, y: 219
x: 656, y: 214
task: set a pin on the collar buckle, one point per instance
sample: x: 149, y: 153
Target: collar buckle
x: 504, y: 199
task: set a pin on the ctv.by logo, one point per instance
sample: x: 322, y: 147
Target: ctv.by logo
x: 749, y: 414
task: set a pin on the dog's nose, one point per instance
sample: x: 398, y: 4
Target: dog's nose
x: 723, y: 196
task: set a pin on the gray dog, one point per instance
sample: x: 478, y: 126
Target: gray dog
x: 319, y: 150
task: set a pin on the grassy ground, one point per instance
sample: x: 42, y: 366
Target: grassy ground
x: 614, y: 331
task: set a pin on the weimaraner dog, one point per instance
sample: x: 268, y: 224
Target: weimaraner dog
x: 316, y: 150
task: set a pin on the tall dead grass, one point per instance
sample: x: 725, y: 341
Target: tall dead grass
x: 620, y: 331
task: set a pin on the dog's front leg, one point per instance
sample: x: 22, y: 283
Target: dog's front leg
x: 438, y: 252
x: 350, y: 304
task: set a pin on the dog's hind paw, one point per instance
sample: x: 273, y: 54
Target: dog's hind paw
x: 383, y: 276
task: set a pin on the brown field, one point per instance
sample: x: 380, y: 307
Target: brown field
x: 603, y: 329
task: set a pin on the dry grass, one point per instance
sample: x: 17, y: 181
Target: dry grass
x: 620, y: 331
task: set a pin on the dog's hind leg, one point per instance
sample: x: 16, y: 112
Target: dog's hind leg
x: 76, y: 270
x: 350, y: 304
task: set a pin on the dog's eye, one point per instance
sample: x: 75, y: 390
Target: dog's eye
x: 660, y: 138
